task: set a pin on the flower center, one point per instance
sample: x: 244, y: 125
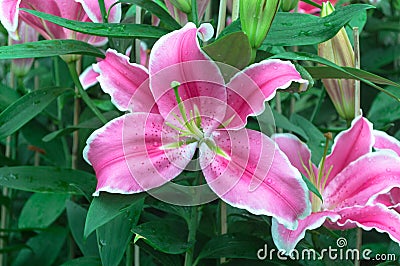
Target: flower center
x: 319, y: 179
x: 190, y: 128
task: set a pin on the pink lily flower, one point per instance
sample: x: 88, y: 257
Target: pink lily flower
x: 21, y: 67
x: 309, y: 9
x: 182, y: 17
x: 182, y: 103
x: 89, y: 76
x: 350, y: 180
x: 384, y: 141
x: 80, y: 10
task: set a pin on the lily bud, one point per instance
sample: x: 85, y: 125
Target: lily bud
x: 183, y: 5
x: 256, y: 17
x: 288, y: 5
x: 20, y: 67
x: 339, y: 51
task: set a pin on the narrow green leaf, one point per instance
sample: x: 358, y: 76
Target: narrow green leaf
x: 316, y: 139
x: 76, y: 221
x: 156, y: 10
x: 27, y: 107
x: 162, y: 258
x: 384, y: 109
x: 106, y: 207
x: 45, y: 248
x: 311, y: 187
x: 114, y: 236
x: 41, y: 210
x: 166, y: 235
x: 13, y: 248
x: 320, y: 72
x: 47, y: 48
x: 233, y: 49
x: 89, y: 124
x: 290, y: 29
x: 47, y: 179
x: 116, y: 30
x: 282, y: 122
x: 320, y: 60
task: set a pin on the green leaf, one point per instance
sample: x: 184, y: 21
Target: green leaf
x: 106, y: 207
x: 47, y: 179
x: 48, y: 48
x: 316, y: 139
x: 41, y: 210
x: 166, y: 235
x: 156, y: 10
x: 233, y: 49
x: 231, y: 246
x: 33, y: 132
x: 45, y: 248
x: 235, y: 26
x: 311, y: 187
x: 320, y: 72
x: 114, y: 236
x: 282, y: 122
x: 116, y: 30
x: 290, y: 29
x: 7, y: 96
x: 320, y: 60
x: 83, y: 261
x: 88, y: 124
x: 76, y: 221
x: 385, y: 109
x: 27, y: 107
x: 162, y: 258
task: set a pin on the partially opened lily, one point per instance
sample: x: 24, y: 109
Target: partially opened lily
x: 80, y: 10
x: 182, y: 103
x: 303, y: 7
x: 350, y: 179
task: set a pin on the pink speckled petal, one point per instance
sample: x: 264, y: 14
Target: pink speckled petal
x: 9, y: 10
x: 92, y: 9
x: 287, y: 240
x: 348, y: 146
x: 363, y: 180
x: 88, y: 77
x: 384, y: 141
x: 250, y: 88
x: 258, y: 177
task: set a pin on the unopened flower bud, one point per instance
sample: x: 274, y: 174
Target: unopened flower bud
x: 256, y: 17
x: 288, y: 5
x: 339, y: 51
x: 183, y: 5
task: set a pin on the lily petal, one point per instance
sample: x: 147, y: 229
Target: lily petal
x: 9, y: 10
x: 258, y: 177
x: 126, y: 152
x: 378, y: 217
x: 287, y: 240
x: 127, y: 83
x: 88, y: 77
x: 348, y: 146
x: 363, y: 180
x: 250, y: 88
x: 384, y: 141
x: 390, y: 199
x: 92, y: 9
x: 177, y: 58
x: 297, y: 151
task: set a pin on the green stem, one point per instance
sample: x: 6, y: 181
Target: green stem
x: 192, y: 225
x: 103, y: 11
x: 194, y: 14
x: 83, y: 94
x: 129, y: 255
x: 318, y: 105
x: 221, y: 17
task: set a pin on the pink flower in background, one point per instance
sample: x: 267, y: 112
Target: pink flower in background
x: 181, y: 104
x: 350, y: 180
x: 88, y: 77
x: 21, y: 67
x: 80, y: 10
